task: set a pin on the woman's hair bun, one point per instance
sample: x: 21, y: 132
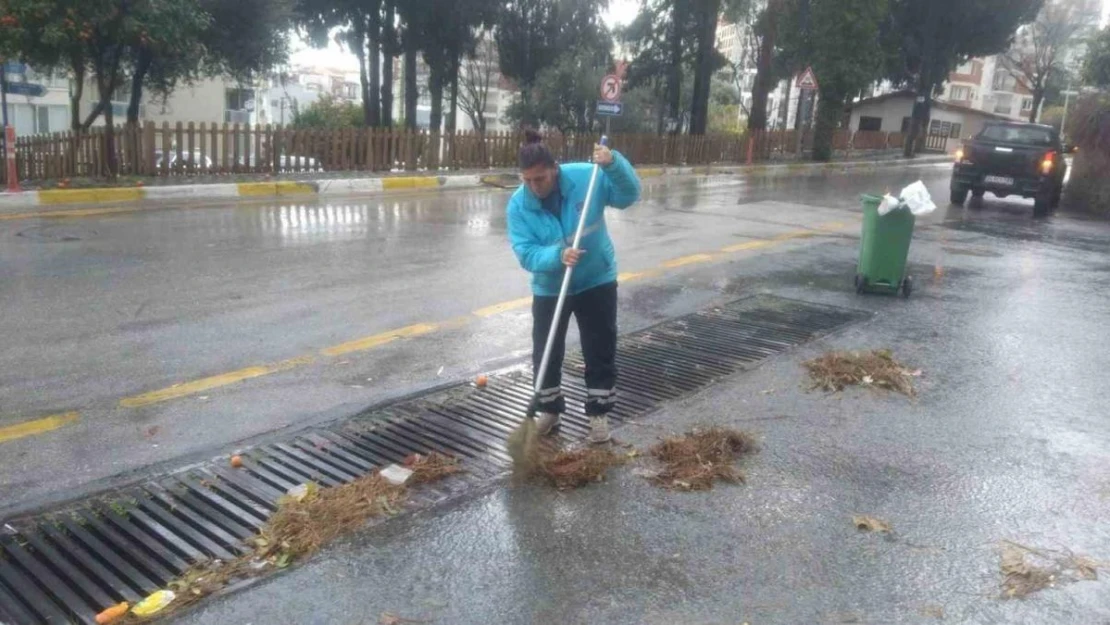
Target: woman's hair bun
x: 531, y: 135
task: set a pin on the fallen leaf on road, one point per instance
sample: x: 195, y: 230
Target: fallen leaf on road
x: 152, y: 431
x: 389, y: 618
x: 871, y: 524
x: 934, y: 611
x: 1027, y: 570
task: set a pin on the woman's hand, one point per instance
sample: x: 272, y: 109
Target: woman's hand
x: 603, y: 156
x: 571, y: 256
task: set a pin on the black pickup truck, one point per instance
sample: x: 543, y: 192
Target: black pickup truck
x: 1012, y: 158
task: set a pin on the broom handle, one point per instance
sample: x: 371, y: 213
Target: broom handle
x: 542, y: 373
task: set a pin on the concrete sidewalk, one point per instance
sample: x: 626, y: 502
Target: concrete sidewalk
x: 17, y: 202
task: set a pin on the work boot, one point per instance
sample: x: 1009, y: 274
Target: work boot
x: 546, y: 422
x: 599, y: 431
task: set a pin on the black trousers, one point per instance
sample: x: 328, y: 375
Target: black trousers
x: 595, y: 311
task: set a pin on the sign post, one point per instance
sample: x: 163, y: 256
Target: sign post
x: 807, y: 91
x: 610, y: 103
x: 9, y: 156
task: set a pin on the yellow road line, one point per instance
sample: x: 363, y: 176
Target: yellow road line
x: 497, y: 309
x: 682, y: 261
x: 370, y: 342
x: 206, y: 384
x: 389, y: 336
x: 38, y: 426
x: 747, y: 245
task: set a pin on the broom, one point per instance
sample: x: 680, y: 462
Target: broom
x: 524, y: 440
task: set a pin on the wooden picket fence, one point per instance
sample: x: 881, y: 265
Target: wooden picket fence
x: 189, y: 149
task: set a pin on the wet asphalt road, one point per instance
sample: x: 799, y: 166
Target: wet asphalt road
x: 1007, y: 440
x: 100, y: 309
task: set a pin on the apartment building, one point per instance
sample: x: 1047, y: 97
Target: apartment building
x: 38, y: 103
x: 736, y: 44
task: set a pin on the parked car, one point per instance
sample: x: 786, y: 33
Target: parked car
x: 1012, y: 158
x: 190, y: 162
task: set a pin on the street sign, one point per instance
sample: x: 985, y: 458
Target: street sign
x: 15, y: 67
x: 609, y: 108
x: 25, y: 88
x: 611, y: 88
x: 807, y: 80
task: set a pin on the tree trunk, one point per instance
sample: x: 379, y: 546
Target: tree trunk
x: 708, y: 11
x: 922, y: 108
x: 1038, y: 97
x: 357, y: 42
x: 143, y: 60
x: 410, y: 89
x: 453, y: 107
x: 78, y: 68
x: 435, y: 90
x: 674, y: 75
x: 374, y: 35
x: 828, y: 116
x: 764, y: 77
x: 107, y: 78
x: 925, y: 85
x: 389, y: 36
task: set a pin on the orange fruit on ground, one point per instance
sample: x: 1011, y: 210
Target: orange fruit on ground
x: 236, y: 461
x: 482, y: 381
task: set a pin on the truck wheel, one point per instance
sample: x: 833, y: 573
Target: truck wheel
x: 959, y: 196
x: 1041, y: 205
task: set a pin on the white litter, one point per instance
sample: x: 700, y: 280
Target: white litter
x: 914, y: 197
x: 396, y: 474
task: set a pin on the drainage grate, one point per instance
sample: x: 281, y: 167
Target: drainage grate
x: 67, y: 565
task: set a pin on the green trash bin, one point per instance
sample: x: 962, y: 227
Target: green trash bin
x: 883, y: 249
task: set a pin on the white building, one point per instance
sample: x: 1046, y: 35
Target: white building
x: 30, y: 114
x: 736, y: 43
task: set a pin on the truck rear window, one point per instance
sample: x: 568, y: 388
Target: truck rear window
x: 1017, y: 134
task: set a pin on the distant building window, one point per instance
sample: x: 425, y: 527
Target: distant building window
x: 965, y: 69
x: 957, y: 129
x: 941, y: 129
x: 959, y: 94
x: 1004, y: 81
x: 870, y: 123
x: 1026, y: 105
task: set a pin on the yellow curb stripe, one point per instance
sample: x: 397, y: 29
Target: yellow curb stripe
x: 409, y: 182
x: 497, y: 309
x: 370, y: 342
x: 682, y: 261
x: 294, y: 188
x: 38, y: 426
x: 256, y: 189
x: 55, y: 197
x: 213, y: 382
x: 649, y: 172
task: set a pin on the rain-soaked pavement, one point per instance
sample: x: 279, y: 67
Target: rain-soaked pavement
x: 1006, y: 441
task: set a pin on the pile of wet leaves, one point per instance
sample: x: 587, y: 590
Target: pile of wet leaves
x: 698, y: 459
x: 568, y: 469
x: 836, y: 371
x: 306, y: 520
x: 1026, y: 570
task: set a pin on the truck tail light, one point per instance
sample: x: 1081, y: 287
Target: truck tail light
x: 1048, y: 163
x: 959, y: 155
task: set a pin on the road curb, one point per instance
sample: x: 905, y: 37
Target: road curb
x: 16, y: 202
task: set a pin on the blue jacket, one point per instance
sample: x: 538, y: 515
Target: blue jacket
x: 538, y: 237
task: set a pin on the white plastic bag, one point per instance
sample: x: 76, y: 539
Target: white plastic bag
x: 917, y: 197
x: 888, y: 204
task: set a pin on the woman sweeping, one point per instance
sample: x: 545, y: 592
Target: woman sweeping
x: 543, y: 215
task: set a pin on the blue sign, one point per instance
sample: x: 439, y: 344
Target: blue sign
x: 25, y: 88
x: 15, y: 67
x: 609, y: 108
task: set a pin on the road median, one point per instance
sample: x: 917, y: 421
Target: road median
x: 14, y: 205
